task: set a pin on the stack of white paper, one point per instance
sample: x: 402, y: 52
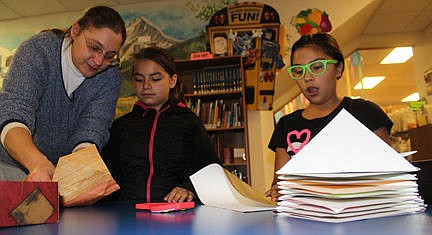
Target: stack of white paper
x: 347, y: 173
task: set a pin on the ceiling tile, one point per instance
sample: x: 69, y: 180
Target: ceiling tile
x: 83, y: 4
x: 373, y: 56
x: 134, y: 1
x: 32, y: 8
x: 6, y: 13
x: 403, y: 6
x: 389, y: 23
x: 420, y: 23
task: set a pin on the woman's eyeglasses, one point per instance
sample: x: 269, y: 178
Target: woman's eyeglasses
x: 316, y: 68
x: 95, y: 49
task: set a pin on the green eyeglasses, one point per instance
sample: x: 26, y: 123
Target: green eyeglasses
x: 316, y: 68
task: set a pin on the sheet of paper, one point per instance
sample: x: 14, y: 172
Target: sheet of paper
x: 291, y: 183
x: 341, y: 174
x: 338, y: 218
x: 83, y: 178
x: 219, y: 188
x: 344, y: 180
x: 346, y: 205
x: 350, y: 188
x: 377, y: 193
x: 337, y: 149
x: 354, y: 218
x: 360, y: 211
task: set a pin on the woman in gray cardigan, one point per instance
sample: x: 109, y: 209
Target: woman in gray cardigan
x: 60, y: 94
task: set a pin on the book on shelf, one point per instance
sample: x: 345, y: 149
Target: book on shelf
x: 216, y: 79
x: 227, y: 155
x: 226, y: 114
x: 209, y: 122
x: 198, y: 107
x: 218, y: 113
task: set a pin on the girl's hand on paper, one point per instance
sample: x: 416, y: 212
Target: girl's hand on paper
x: 179, y: 194
x: 273, y: 193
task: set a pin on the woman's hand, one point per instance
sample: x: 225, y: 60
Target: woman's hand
x: 19, y: 143
x: 179, y: 194
x: 43, y: 171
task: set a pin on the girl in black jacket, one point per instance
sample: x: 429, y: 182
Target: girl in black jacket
x: 154, y: 149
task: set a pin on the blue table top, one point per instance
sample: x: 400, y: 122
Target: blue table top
x: 113, y: 219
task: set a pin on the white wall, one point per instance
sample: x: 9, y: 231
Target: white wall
x: 422, y: 62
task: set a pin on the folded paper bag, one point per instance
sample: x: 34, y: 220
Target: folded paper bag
x: 83, y: 178
x: 24, y: 203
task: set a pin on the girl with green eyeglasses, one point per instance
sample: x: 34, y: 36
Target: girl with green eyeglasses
x: 316, y: 65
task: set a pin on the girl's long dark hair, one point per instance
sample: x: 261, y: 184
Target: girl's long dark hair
x: 163, y: 58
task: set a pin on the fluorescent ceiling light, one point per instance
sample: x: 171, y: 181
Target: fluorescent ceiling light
x: 413, y: 97
x: 398, y: 55
x: 369, y: 82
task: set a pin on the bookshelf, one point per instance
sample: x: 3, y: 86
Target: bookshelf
x: 214, y: 90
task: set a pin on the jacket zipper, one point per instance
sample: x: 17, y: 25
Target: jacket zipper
x: 151, y: 143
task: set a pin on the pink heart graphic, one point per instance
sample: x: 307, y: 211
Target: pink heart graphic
x: 298, y: 135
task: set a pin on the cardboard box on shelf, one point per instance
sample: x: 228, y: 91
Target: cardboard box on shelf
x: 239, y: 153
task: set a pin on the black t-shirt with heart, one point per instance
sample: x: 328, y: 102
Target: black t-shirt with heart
x: 293, y: 131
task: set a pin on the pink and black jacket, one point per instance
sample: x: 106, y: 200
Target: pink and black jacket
x: 150, y: 152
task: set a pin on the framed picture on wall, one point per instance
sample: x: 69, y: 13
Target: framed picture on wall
x: 244, y: 43
x: 220, y: 42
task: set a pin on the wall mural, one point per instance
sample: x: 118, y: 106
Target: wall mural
x: 175, y: 25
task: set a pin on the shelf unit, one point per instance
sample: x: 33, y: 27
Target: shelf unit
x: 214, y: 90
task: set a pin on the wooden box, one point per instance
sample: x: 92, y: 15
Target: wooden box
x: 421, y: 141
x: 24, y: 203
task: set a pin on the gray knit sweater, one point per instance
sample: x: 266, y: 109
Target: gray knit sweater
x: 33, y: 93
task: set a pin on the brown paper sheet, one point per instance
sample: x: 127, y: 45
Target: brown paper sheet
x: 246, y: 190
x: 83, y: 178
